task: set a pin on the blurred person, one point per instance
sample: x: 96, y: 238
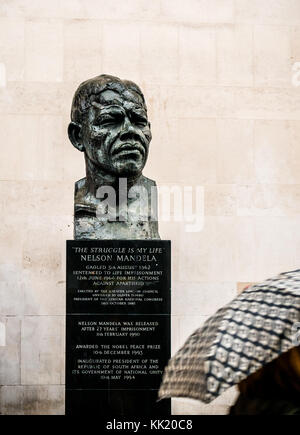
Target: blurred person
x: 274, y: 389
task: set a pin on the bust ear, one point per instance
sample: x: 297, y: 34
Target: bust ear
x: 74, y: 132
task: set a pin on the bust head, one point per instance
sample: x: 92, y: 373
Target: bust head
x: 109, y: 124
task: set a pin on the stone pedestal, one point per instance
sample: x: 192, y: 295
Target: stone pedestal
x: 118, y: 326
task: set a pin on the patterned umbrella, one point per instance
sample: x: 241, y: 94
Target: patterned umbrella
x: 251, y: 331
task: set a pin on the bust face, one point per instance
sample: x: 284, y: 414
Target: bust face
x: 116, y: 133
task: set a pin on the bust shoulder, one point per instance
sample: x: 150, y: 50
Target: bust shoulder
x: 147, y: 182
x: 80, y: 185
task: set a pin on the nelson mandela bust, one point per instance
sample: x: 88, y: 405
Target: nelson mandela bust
x: 109, y: 125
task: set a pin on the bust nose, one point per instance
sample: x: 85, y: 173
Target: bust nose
x: 128, y: 129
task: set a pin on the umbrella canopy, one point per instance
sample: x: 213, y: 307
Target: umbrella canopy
x: 245, y: 335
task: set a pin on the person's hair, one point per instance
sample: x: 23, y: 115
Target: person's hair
x: 88, y: 91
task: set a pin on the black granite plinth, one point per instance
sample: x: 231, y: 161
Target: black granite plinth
x: 118, y: 326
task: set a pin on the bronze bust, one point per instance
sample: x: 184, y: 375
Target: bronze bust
x: 109, y: 124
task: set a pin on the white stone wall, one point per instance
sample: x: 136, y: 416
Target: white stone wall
x: 217, y: 75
